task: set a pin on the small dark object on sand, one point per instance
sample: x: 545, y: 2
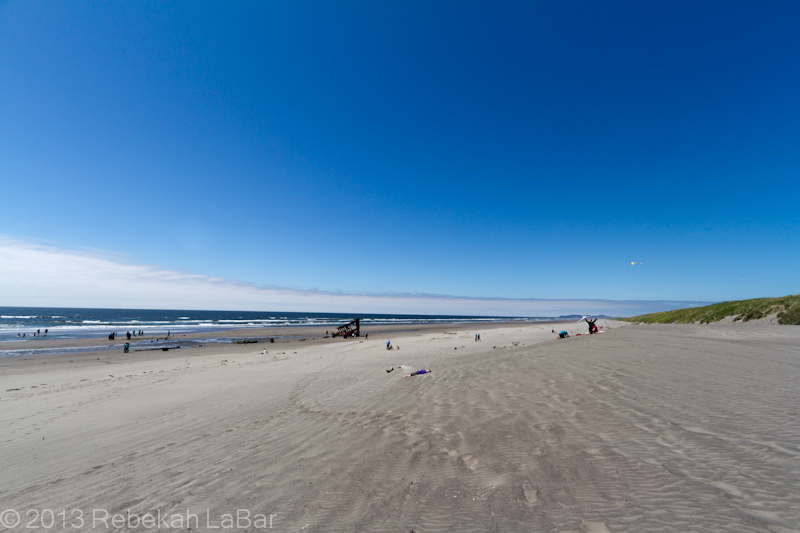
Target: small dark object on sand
x: 390, y: 370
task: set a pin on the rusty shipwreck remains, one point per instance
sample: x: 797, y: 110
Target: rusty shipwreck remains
x: 351, y: 329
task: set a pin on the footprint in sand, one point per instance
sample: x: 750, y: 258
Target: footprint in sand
x: 594, y: 527
x: 470, y: 461
x: 531, y: 492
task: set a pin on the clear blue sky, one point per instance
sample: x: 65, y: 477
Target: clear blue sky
x: 487, y: 149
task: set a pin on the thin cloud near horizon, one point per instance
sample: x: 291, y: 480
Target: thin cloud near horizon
x: 37, y: 275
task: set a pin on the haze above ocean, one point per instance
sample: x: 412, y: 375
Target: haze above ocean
x: 80, y: 323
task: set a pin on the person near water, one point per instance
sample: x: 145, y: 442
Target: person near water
x: 388, y: 344
x: 127, y: 345
x: 418, y: 372
x: 592, y: 328
x: 563, y: 334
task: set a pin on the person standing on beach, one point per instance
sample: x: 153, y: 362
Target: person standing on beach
x: 591, y: 324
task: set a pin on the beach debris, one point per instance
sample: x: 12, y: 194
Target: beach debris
x: 390, y: 370
x: 418, y: 372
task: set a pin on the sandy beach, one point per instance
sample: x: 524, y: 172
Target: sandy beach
x: 640, y: 428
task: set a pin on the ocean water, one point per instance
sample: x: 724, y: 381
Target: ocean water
x: 81, y: 323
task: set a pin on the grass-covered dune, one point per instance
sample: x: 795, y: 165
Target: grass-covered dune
x: 787, y: 309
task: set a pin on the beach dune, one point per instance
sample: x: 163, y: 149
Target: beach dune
x: 641, y: 428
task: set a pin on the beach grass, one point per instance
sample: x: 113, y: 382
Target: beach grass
x: 786, y: 308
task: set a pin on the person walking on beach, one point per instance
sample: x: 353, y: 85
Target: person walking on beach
x: 388, y: 344
x: 127, y: 345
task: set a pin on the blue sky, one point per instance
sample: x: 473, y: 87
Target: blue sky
x: 490, y: 150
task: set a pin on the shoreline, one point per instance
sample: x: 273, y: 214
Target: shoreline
x: 280, y: 333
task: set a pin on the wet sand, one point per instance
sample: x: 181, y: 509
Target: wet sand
x: 641, y: 428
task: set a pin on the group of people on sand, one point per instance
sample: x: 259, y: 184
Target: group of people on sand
x: 37, y: 333
x: 592, y: 328
x: 348, y: 335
